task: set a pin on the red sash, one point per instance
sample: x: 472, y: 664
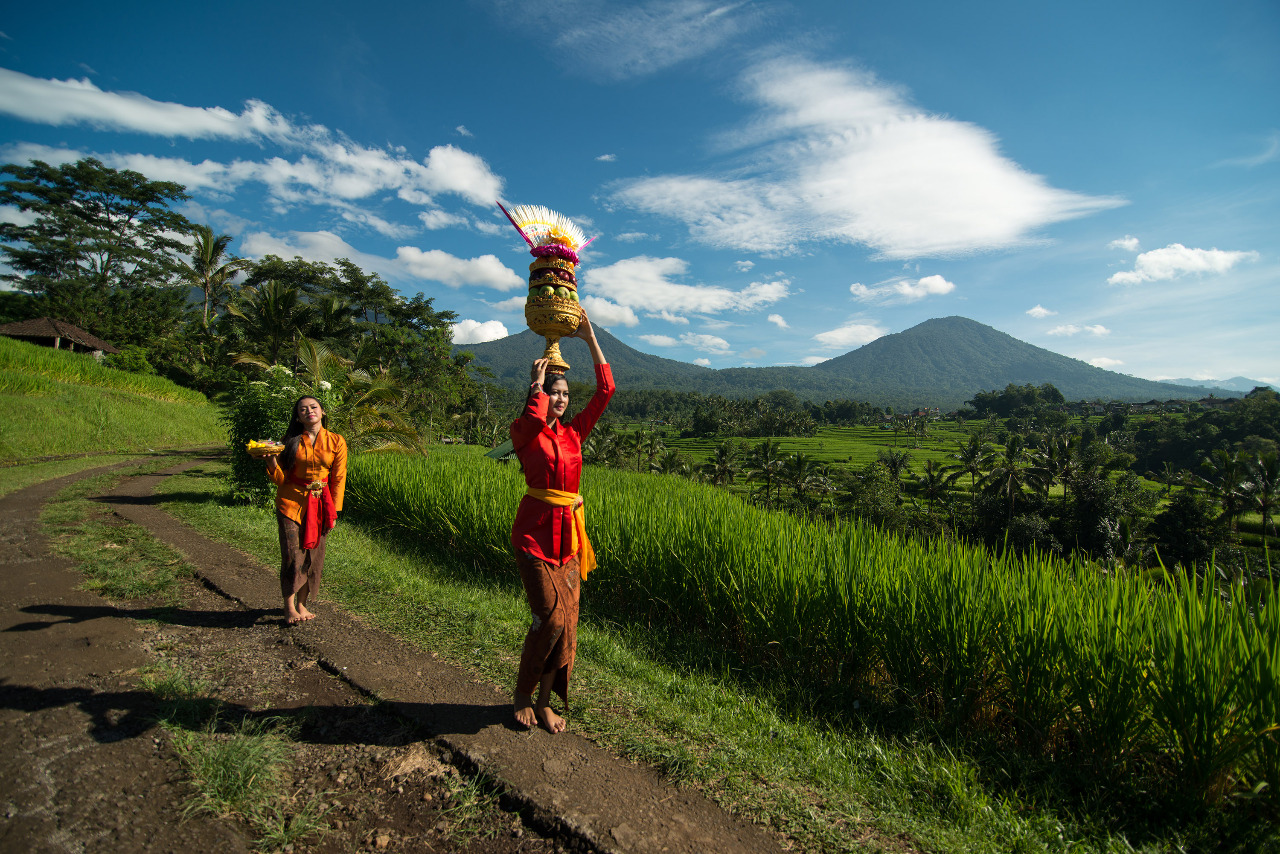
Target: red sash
x: 318, y: 513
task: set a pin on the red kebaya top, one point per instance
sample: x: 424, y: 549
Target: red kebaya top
x: 552, y: 459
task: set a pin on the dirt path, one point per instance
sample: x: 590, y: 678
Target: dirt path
x: 82, y: 725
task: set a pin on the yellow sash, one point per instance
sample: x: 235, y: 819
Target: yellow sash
x: 560, y: 498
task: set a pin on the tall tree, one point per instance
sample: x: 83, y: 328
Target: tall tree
x: 101, y: 250
x: 210, y: 268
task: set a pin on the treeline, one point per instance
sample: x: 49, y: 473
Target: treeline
x: 104, y: 249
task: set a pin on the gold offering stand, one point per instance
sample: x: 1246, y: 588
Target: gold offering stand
x: 553, y: 318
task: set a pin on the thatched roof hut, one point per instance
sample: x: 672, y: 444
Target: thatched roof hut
x: 58, y: 334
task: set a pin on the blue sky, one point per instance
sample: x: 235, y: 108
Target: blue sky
x: 769, y: 183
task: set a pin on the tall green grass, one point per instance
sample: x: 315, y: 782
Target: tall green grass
x: 1110, y: 674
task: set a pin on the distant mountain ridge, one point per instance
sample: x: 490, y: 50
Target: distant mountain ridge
x: 1240, y: 384
x: 942, y: 362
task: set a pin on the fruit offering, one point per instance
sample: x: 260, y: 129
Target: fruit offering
x: 551, y: 309
x: 264, y: 447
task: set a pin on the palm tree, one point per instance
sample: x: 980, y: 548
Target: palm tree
x: 1265, y: 471
x: 1016, y: 469
x: 1226, y: 478
x: 210, y: 268
x: 766, y: 465
x: 269, y: 317
x: 723, y: 467
x: 671, y: 462
x: 971, y: 459
x: 801, y: 473
x: 897, y: 462
x: 931, y: 485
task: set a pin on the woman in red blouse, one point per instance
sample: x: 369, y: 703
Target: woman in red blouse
x: 548, y: 536
x: 310, y: 478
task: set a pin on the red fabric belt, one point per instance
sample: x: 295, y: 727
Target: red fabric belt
x: 318, y: 513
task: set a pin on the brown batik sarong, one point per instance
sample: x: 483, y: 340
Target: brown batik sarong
x: 299, y: 567
x: 552, y: 641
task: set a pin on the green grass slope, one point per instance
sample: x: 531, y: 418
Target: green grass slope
x: 55, y: 402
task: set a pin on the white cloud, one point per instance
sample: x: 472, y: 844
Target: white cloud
x: 669, y: 317
x: 635, y: 39
x: 849, y: 335
x: 1039, y: 312
x: 705, y: 343
x: 632, y: 237
x: 744, y: 266
x: 838, y: 155
x: 704, y: 362
x: 1175, y: 260
x: 72, y: 102
x: 1104, y: 362
x: 607, y: 158
x: 437, y: 265
x: 1070, y: 329
x: 645, y: 282
x: 778, y: 321
x: 607, y: 313
x: 475, y: 332
x: 515, y: 303
x: 462, y: 131
x: 315, y: 246
x: 371, y: 220
x: 659, y: 340
x: 902, y: 290
x: 753, y: 353
x: 327, y: 167
x: 437, y: 219
x: 16, y: 216
x: 1128, y: 243
x: 813, y: 360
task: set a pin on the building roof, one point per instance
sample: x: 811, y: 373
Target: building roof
x: 47, y: 327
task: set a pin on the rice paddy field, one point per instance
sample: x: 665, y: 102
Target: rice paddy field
x: 1152, y: 686
x: 55, y: 402
x: 848, y: 447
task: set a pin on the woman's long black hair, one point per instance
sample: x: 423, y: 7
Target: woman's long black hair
x: 293, y: 435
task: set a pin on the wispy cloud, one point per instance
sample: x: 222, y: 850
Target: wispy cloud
x: 629, y: 40
x: 1270, y: 152
x: 705, y: 343
x: 474, y: 332
x: 902, y: 290
x: 436, y: 265
x: 669, y: 317
x: 1069, y: 329
x: 744, y: 266
x: 850, y: 335
x: 643, y: 282
x: 1128, y: 243
x: 607, y: 158
x: 461, y: 130
x: 836, y: 154
x: 1039, y: 312
x: 1175, y: 260
x: 703, y: 361
x: 1105, y: 362
x: 778, y: 321
x: 659, y: 340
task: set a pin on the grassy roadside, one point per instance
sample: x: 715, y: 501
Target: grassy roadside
x: 13, y: 478
x: 829, y: 791
x: 272, y: 772
x: 234, y: 765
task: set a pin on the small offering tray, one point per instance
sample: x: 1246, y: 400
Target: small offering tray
x: 264, y: 448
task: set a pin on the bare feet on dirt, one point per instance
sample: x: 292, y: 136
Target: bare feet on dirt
x: 550, y: 721
x: 524, y: 711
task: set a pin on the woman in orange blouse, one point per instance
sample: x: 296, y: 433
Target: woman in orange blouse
x: 309, y: 476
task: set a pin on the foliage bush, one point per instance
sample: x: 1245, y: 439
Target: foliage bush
x: 131, y: 358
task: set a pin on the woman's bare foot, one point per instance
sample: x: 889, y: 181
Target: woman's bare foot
x: 292, y: 617
x: 549, y: 719
x: 304, y: 614
x: 524, y: 711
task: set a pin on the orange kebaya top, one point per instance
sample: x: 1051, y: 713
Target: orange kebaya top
x: 552, y: 459
x: 326, y: 460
